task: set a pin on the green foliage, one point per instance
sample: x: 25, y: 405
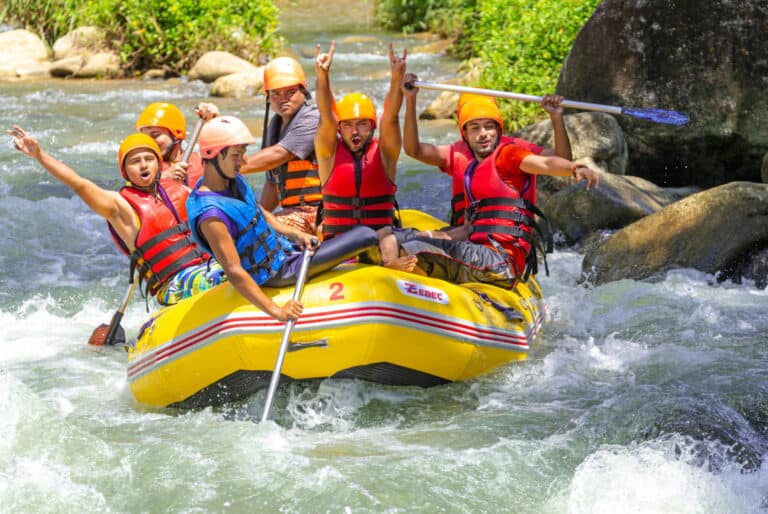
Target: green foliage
x: 522, y: 45
x: 445, y: 17
x: 157, y: 33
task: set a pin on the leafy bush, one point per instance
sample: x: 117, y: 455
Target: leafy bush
x: 441, y: 16
x: 522, y: 45
x: 158, y: 33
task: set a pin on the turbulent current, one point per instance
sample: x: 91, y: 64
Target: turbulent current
x: 637, y: 396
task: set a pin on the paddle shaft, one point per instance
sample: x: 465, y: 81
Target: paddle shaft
x: 286, y: 336
x: 118, y: 316
x: 612, y: 109
x: 192, y: 140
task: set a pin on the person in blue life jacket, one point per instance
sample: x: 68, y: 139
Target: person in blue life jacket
x: 253, y: 247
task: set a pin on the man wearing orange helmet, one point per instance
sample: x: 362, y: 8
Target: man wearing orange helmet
x: 358, y: 170
x: 253, y: 246
x: 147, y: 218
x: 165, y: 123
x: 288, y: 147
x: 453, y: 159
x: 495, y: 181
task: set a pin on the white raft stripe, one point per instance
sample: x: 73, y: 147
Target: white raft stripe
x: 355, y: 314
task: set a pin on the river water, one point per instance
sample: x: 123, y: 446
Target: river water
x: 647, y: 397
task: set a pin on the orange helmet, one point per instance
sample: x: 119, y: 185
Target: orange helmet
x: 356, y: 106
x: 283, y: 72
x: 133, y: 142
x: 478, y: 108
x: 163, y: 114
x: 466, y: 97
x: 222, y: 132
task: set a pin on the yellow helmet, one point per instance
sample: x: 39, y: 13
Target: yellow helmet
x: 283, y: 72
x: 133, y: 142
x: 466, y: 97
x: 356, y: 106
x: 163, y: 114
x: 478, y: 108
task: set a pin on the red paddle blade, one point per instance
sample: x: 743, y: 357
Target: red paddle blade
x: 101, y: 333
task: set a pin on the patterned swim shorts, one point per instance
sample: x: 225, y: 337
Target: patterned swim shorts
x: 301, y: 217
x: 190, y: 281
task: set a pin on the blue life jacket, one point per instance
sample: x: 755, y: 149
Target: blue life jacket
x: 262, y: 252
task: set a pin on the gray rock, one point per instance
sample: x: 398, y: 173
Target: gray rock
x: 20, y: 50
x: 213, y: 65
x: 619, y: 201
x: 708, y: 231
x: 707, y: 58
x: 238, y: 85
x: 592, y: 134
x: 81, y: 41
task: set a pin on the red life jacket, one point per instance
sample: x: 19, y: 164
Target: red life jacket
x: 164, y: 243
x: 358, y: 191
x: 194, y: 171
x: 459, y: 157
x: 502, y: 217
x: 298, y: 183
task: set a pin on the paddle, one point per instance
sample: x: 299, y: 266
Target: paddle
x: 286, y: 335
x: 106, y: 335
x: 656, y: 115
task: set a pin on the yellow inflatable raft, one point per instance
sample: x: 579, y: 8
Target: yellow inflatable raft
x: 359, y: 321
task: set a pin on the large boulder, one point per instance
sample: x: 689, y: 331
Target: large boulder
x: 708, y: 58
x: 709, y: 231
x: 20, y: 50
x: 80, y: 42
x: 213, y: 65
x: 239, y: 85
x: 619, y: 201
x: 592, y: 134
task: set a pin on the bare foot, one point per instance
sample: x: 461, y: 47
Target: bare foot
x: 404, y: 263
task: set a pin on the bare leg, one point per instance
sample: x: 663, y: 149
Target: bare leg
x: 390, y: 252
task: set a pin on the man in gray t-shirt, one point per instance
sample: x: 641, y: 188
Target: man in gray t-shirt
x: 288, y: 153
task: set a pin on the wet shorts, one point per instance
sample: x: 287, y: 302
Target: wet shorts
x: 190, y: 281
x: 459, y: 261
x: 301, y: 217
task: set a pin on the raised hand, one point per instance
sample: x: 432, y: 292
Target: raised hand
x: 553, y: 104
x: 25, y: 143
x: 207, y: 111
x: 323, y: 60
x: 397, y: 64
x: 407, y: 87
x: 177, y: 171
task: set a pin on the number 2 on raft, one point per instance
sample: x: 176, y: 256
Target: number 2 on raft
x: 337, y: 291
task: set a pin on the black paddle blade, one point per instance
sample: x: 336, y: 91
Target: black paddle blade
x: 658, y: 115
x: 100, y: 336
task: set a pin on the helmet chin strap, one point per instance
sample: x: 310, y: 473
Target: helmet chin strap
x: 230, y: 182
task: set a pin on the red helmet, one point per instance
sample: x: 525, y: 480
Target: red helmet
x: 222, y: 132
x: 133, y: 142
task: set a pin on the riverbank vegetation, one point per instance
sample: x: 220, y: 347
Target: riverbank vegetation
x: 168, y: 34
x: 520, y: 44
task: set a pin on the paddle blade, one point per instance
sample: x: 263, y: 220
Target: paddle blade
x: 100, y: 336
x: 658, y: 115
